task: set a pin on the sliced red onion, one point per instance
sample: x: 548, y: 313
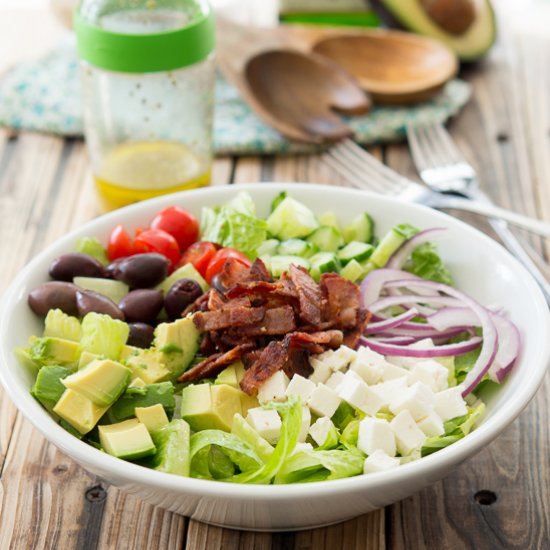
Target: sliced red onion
x: 508, y: 349
x: 449, y: 317
x: 437, y: 351
x: 389, y: 301
x: 399, y: 340
x: 428, y: 333
x: 401, y: 255
x: 374, y: 282
x: 392, y: 322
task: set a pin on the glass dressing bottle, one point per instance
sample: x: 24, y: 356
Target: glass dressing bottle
x: 148, y: 86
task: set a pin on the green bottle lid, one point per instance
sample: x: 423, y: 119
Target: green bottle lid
x: 146, y: 53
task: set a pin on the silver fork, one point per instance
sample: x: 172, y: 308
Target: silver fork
x: 364, y: 171
x: 443, y: 168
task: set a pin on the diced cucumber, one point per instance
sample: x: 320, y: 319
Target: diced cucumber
x: 243, y: 203
x: 296, y: 247
x: 353, y: 271
x: 323, y: 262
x: 186, y: 271
x: 60, y: 325
x: 360, y: 229
x: 268, y: 247
x: 329, y: 218
x: 291, y: 219
x: 115, y: 290
x: 279, y: 264
x: 327, y: 238
x: 278, y: 200
x: 355, y: 250
x: 391, y: 241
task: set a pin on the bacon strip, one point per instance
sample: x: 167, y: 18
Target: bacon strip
x: 341, y: 299
x: 213, y: 365
x: 309, y: 295
x: 229, y: 317
x: 272, y: 359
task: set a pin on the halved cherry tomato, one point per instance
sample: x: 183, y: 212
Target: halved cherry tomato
x: 217, y: 262
x: 156, y: 240
x: 199, y: 254
x: 182, y: 225
x: 120, y: 244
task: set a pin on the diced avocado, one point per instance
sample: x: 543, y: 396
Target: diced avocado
x: 73, y: 431
x: 137, y: 383
x: 186, y: 271
x: 172, y: 442
x: 102, y: 381
x: 248, y: 402
x: 80, y: 412
x: 55, y: 351
x: 23, y: 356
x: 329, y: 218
x: 147, y: 365
x: 103, y: 335
x: 60, y: 325
x: 129, y: 439
x: 327, y: 238
x: 178, y: 343
x: 128, y: 351
x: 154, y: 417
x: 151, y: 394
x: 207, y: 406
x: 115, y: 290
x: 291, y: 219
x: 48, y: 387
x: 85, y: 358
x: 231, y: 375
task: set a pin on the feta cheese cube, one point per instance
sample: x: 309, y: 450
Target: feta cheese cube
x: 273, y: 389
x: 266, y: 422
x: 354, y: 390
x: 388, y: 391
x: 337, y: 359
x: 301, y: 386
x: 431, y: 373
x: 378, y: 462
x: 376, y: 434
x: 304, y: 427
x: 408, y: 436
x: 320, y: 429
x: 391, y: 372
x: 335, y: 379
x: 321, y: 371
x: 371, y: 374
x: 418, y: 400
x: 449, y: 404
x: 323, y: 401
x: 410, y: 362
x: 431, y: 425
x: 367, y: 355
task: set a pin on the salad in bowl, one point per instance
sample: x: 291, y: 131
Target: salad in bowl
x: 267, y: 339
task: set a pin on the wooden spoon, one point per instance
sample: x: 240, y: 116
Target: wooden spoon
x: 394, y: 67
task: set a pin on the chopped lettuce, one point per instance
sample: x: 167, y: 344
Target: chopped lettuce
x: 103, y: 335
x: 60, y: 325
x: 349, y: 436
x: 426, y: 263
x: 241, y: 428
x: 332, y: 440
x: 92, y: 247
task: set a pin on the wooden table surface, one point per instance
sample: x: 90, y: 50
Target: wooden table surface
x: 498, y: 499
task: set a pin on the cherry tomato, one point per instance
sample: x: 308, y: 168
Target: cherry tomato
x: 156, y: 240
x: 120, y: 244
x: 218, y: 261
x: 199, y: 254
x: 182, y: 225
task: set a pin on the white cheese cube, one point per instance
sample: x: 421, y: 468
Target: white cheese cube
x: 431, y: 425
x: 371, y: 374
x: 323, y: 401
x: 320, y: 429
x: 408, y: 436
x: 376, y: 434
x: 266, y: 422
x: 431, y: 373
x: 367, y: 355
x: 337, y: 359
x: 410, y: 362
x: 354, y: 390
x: 301, y: 386
x: 273, y: 389
x: 306, y: 421
x: 321, y: 371
x: 388, y: 391
x: 418, y: 400
x: 335, y: 379
x: 391, y: 372
x: 378, y: 462
x: 449, y: 404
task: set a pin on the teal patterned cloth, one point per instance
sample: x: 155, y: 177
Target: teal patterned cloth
x: 44, y: 96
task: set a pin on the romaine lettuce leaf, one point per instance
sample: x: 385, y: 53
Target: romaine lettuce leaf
x: 426, y: 263
x: 241, y: 428
x: 92, y: 247
x: 103, y: 335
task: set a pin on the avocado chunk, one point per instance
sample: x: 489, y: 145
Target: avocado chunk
x: 172, y: 442
x: 48, y: 387
x: 85, y: 358
x: 23, y: 356
x: 154, y: 417
x: 151, y: 394
x: 127, y: 352
x: 476, y: 38
x: 115, y: 290
x: 186, y: 271
x: 231, y: 375
x: 137, y: 383
x: 79, y: 411
x: 102, y: 381
x: 129, y: 440
x: 207, y: 406
x: 55, y: 351
x: 147, y: 364
x: 178, y: 343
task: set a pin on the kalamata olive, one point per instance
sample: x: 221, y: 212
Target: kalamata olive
x: 89, y: 300
x: 181, y: 294
x: 139, y: 271
x: 54, y: 295
x: 75, y: 264
x: 142, y: 305
x: 141, y: 335
x: 217, y: 284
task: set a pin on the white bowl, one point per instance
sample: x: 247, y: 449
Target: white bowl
x: 480, y: 266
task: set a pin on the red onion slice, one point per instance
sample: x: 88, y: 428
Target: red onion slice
x: 374, y: 282
x: 508, y: 348
x: 392, y: 322
x: 401, y: 255
x: 437, y: 351
x: 404, y: 299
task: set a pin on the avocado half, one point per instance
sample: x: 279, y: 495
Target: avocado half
x: 470, y: 45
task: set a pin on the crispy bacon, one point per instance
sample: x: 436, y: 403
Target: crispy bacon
x: 259, y: 272
x: 213, y: 365
x: 272, y: 359
x: 341, y: 300
x: 352, y: 336
x: 277, y: 321
x: 228, y: 318
x: 309, y: 295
